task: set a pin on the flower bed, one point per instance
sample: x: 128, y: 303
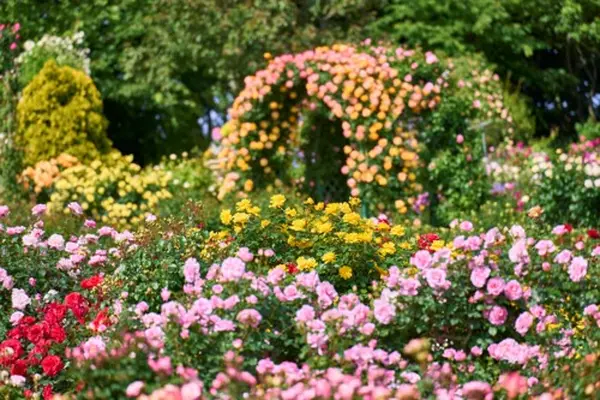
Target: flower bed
x: 290, y: 309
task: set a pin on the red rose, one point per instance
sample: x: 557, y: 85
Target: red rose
x: 47, y: 392
x: 10, y: 351
x: 569, y: 228
x: 593, y: 234
x: 101, y: 320
x: 426, y: 240
x: 291, y: 268
x: 57, y: 333
x: 92, y: 282
x: 28, y: 393
x: 27, y: 320
x: 78, y: 306
x: 54, y: 313
x: 19, y: 368
x: 51, y: 365
x: 35, y: 333
x: 15, y: 333
x: 36, y: 354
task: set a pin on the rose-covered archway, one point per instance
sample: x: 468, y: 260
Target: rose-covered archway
x: 385, y: 102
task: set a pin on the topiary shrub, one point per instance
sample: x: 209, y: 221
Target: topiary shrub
x: 61, y: 112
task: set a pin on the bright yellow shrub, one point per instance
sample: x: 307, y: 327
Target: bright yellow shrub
x: 61, y: 112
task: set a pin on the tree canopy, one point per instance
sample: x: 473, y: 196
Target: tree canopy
x: 169, y: 69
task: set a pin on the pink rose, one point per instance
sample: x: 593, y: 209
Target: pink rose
x: 476, y: 390
x: 495, y: 286
x: 20, y: 300
x: 305, y: 314
x: 523, y: 323
x: 134, y: 389
x: 436, y: 278
x: 479, y: 276
x: 39, y: 209
x: 191, y: 391
x: 56, y: 241
x: 191, y: 270
x: 249, y: 317
x: 232, y: 269
x: 75, y: 208
x: 513, y: 290
x: 384, y: 311
x: 578, y: 269
x: 497, y: 315
x: 545, y: 247
x: 245, y: 255
x: 466, y: 226
x: 476, y: 351
x: 421, y: 259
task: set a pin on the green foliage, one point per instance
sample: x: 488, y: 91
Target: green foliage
x: 64, y: 51
x: 589, y: 129
x: 571, y: 193
x: 459, y: 182
x: 549, y: 47
x: 61, y: 112
x: 10, y: 157
x: 521, y: 113
x: 190, y: 180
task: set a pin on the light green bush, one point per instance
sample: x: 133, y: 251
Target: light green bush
x: 61, y: 112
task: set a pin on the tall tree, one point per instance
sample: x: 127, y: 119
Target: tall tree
x: 550, y: 47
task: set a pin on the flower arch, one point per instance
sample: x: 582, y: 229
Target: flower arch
x: 385, y: 100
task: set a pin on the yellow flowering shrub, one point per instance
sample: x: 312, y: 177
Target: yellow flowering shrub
x: 60, y: 111
x: 113, y: 190
x: 332, y: 239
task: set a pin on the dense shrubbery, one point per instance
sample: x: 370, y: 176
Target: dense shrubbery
x: 564, y: 183
x: 61, y: 112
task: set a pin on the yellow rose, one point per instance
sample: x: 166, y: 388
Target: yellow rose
x: 328, y: 257
x: 240, y: 218
x: 323, y: 227
x: 388, y: 248
x: 277, y: 201
x: 345, y: 272
x: 305, y: 264
x: 397, y: 230
x: 226, y: 216
x: 298, y: 225
x: 351, y: 218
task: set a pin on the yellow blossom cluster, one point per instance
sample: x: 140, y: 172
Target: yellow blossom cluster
x: 113, y: 190
x: 331, y: 238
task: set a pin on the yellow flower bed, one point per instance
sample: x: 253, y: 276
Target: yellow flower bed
x: 330, y: 238
x: 113, y: 190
